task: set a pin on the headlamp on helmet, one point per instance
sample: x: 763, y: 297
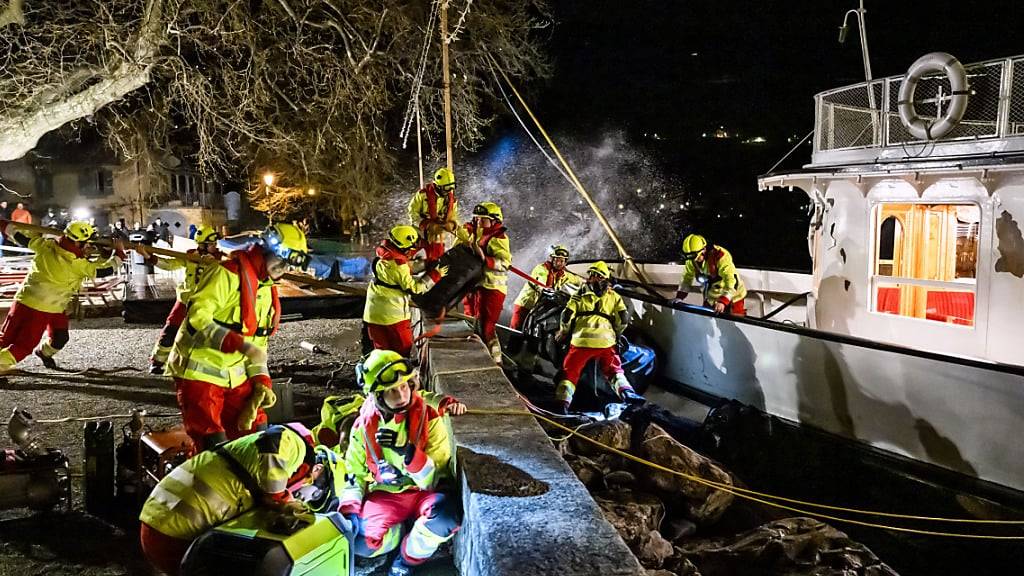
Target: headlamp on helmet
x: 287, y: 242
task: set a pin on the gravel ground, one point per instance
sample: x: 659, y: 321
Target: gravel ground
x: 77, y: 543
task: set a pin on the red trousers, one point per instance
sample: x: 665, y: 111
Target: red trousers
x: 396, y: 337
x: 577, y: 358
x: 486, y: 305
x: 518, y: 315
x: 162, y: 551
x: 433, y: 251
x: 382, y: 510
x: 208, y: 409
x: 734, y: 308
x: 24, y: 327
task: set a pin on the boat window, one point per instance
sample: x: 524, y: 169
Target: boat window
x: 925, y: 262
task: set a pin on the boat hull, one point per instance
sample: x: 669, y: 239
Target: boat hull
x: 956, y: 413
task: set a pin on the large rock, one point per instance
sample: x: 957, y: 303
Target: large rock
x: 614, y: 433
x: 703, y: 503
x: 653, y: 549
x: 633, y: 514
x: 790, y: 547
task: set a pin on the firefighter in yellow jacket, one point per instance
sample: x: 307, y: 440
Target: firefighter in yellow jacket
x: 399, y: 450
x: 215, y: 486
x: 58, y: 269
x: 435, y: 209
x: 551, y: 274
x: 209, y: 256
x: 595, y: 318
x: 712, y: 267
x: 219, y: 359
x: 486, y: 235
x: 386, y: 312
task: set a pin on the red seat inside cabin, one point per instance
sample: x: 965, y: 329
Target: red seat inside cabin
x: 954, y: 307
x: 942, y: 306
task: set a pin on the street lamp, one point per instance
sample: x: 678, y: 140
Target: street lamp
x: 311, y: 191
x: 268, y: 179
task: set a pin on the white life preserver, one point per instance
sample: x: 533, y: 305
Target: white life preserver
x: 929, y: 64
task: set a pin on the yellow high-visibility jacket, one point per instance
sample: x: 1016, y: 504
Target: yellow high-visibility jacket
x: 215, y: 310
x: 497, y: 253
x: 543, y: 273
x: 432, y: 223
x: 56, y: 275
x: 205, y: 491
x: 193, y: 272
x: 717, y: 276
x: 594, y: 321
x: 387, y: 296
x: 371, y: 467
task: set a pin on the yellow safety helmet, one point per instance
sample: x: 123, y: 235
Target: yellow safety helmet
x: 382, y: 370
x: 692, y: 245
x: 444, y: 179
x: 288, y: 242
x: 79, y: 231
x: 599, y: 268
x: 558, y: 251
x: 404, y: 237
x: 488, y: 210
x: 206, y: 235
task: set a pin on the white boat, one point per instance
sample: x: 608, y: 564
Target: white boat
x: 909, y: 336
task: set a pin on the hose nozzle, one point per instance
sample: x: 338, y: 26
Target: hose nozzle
x: 19, y: 428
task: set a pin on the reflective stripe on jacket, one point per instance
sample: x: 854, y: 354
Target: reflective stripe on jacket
x: 595, y: 321
x: 214, y: 310
x: 428, y: 467
x: 204, y: 491
x: 56, y: 275
x: 717, y: 275
x: 497, y: 252
x: 543, y: 273
x: 193, y: 272
x: 387, y: 296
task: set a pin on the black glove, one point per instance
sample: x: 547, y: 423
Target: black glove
x: 388, y: 438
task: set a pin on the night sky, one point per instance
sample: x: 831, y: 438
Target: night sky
x: 684, y: 68
x: 757, y: 64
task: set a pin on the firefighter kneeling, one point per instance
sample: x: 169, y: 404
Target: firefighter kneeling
x: 219, y: 360
x: 398, y: 452
x: 215, y: 486
x: 595, y: 317
x: 712, y: 267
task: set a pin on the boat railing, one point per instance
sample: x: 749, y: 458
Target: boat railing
x: 861, y: 122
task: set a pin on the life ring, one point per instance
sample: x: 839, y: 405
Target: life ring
x: 929, y: 64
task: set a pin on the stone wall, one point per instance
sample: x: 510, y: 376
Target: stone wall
x: 525, y: 510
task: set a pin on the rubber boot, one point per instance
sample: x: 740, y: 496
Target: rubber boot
x: 494, y: 347
x: 7, y: 360
x: 156, y: 368
x: 45, y: 353
x: 564, y: 392
x: 399, y: 567
x: 625, y: 391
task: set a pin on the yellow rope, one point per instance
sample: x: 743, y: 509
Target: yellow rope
x: 572, y: 175
x: 759, y: 497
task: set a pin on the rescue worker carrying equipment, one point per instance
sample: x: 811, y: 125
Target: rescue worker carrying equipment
x: 435, y: 210
x: 552, y: 274
x: 206, y: 240
x: 712, y: 267
x: 215, y: 486
x: 595, y: 317
x: 219, y: 359
x: 486, y: 235
x: 399, y: 450
x: 58, y: 269
x: 386, y: 312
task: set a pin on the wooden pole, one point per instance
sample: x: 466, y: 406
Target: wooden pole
x: 447, y: 85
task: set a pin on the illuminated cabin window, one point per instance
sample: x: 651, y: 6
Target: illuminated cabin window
x: 926, y: 260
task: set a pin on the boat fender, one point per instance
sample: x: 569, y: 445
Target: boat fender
x: 921, y: 128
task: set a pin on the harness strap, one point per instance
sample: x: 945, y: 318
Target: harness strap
x: 379, y: 282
